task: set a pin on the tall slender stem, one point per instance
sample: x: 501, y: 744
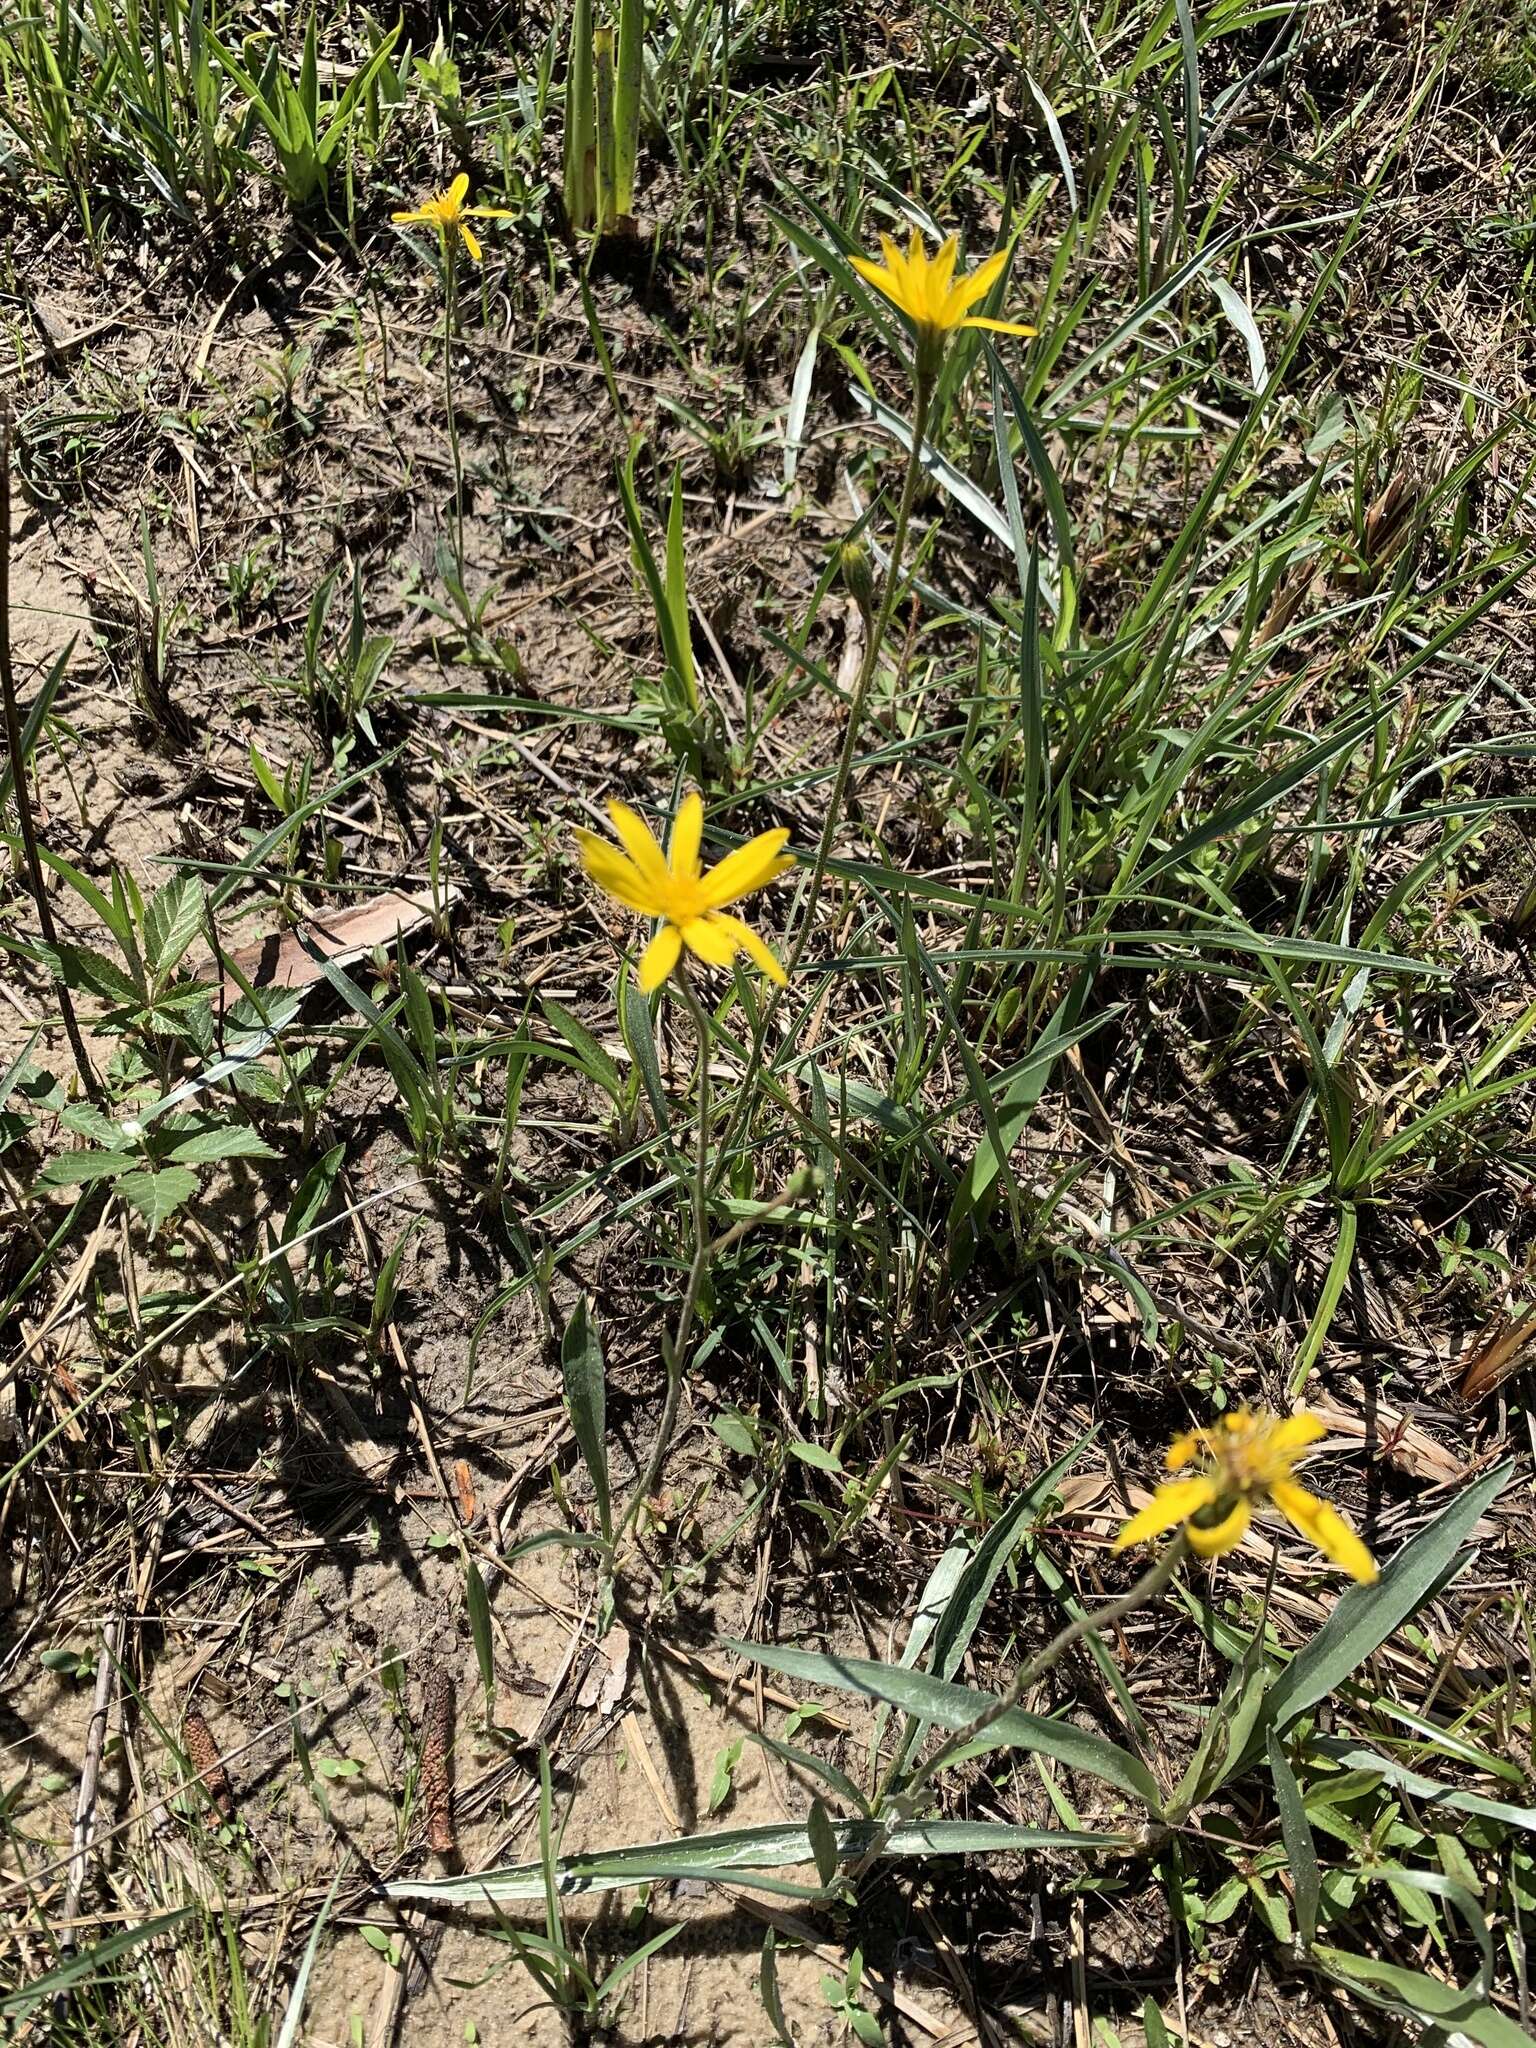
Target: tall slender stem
x: 674, y: 1349
x: 862, y: 681
x: 450, y: 328
x: 20, y: 787
x: 923, y: 394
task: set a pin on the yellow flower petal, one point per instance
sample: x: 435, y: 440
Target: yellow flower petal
x: 749, y: 942
x: 615, y: 875
x: 1288, y: 1439
x: 415, y: 218
x: 1183, y: 1450
x: 708, y: 937
x: 639, y: 843
x: 1325, y: 1527
x: 941, y: 272
x: 999, y: 326
x: 660, y: 957
x: 489, y: 213
x: 1227, y: 1533
x: 687, y: 834
x: 744, y: 869
x: 973, y: 286
x: 458, y: 191
x: 470, y: 242
x: 882, y: 280
x: 1174, y: 1502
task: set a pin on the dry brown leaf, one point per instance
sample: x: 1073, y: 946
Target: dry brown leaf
x: 465, y: 1486
x: 1510, y: 1346
x: 608, y: 1679
x: 1394, y: 1437
x: 284, y: 959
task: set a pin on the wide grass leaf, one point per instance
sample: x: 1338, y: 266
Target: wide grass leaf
x: 1367, y: 1615
x: 955, y: 1706
x: 733, y: 1852
x: 1424, y: 1998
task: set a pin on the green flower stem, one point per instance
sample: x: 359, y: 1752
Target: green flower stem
x: 450, y: 329
x: 923, y: 394
x: 882, y: 625
x: 895, y: 1808
x: 674, y: 1349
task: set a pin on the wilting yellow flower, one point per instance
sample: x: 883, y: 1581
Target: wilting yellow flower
x: 932, y: 297
x: 1249, y: 1455
x: 675, y: 888
x: 447, y: 212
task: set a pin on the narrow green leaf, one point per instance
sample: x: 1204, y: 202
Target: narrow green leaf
x: 680, y: 647
x: 730, y: 1852
x: 1425, y: 1999
x: 580, y: 1040
x: 628, y: 90
x: 1300, y: 1849
x: 91, y: 1962
x: 585, y: 1380
x: 1366, y: 1616
x: 818, y: 1828
x: 478, y: 1602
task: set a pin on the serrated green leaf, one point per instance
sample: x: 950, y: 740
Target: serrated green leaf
x: 158, y: 1195
x: 73, y: 1168
x: 220, y: 1141
x: 86, y: 1121
x: 82, y: 967
x: 172, y: 921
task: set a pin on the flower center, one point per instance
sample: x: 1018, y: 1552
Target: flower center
x: 684, y: 900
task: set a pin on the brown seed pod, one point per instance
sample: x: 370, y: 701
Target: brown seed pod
x: 436, y: 1750
x: 203, y: 1753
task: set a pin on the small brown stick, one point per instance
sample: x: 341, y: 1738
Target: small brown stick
x: 436, y: 1754
x: 20, y: 787
x: 203, y: 1755
x: 90, y: 1774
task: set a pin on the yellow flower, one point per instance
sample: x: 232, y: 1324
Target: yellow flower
x: 675, y: 888
x: 447, y: 212
x: 1249, y: 1455
x: 932, y: 297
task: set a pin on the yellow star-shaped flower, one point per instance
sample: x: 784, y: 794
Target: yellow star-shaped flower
x: 447, y: 212
x: 674, y: 887
x: 1248, y: 1456
x: 927, y: 291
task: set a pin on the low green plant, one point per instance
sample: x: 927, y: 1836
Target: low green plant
x: 306, y: 130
